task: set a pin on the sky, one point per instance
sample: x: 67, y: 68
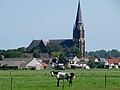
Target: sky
x: 22, y: 21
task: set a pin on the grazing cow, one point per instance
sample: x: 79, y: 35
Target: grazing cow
x: 63, y: 75
x: 53, y: 73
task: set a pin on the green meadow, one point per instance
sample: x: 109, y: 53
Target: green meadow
x: 102, y: 79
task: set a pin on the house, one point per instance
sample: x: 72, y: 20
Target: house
x: 74, y: 60
x: 107, y: 63
x: 113, y: 62
x: 98, y: 63
x: 43, y: 63
x: 35, y: 64
x: 56, y: 64
x: 101, y: 63
x: 53, y: 62
x: 104, y: 63
x: 72, y: 63
x: 119, y: 64
x: 14, y: 63
x: 79, y: 63
x: 22, y: 63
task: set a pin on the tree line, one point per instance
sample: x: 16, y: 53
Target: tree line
x: 104, y: 54
x: 57, y: 50
x: 13, y: 53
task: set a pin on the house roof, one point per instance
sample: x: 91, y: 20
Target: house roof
x: 76, y: 58
x: 113, y: 60
x: 92, y: 59
x: 27, y: 60
x: 12, y: 63
x: 33, y: 63
x: 44, y: 64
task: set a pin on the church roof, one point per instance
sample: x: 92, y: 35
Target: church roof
x: 34, y: 43
x: 58, y: 41
x: 63, y: 42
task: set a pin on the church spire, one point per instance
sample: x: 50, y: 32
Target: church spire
x: 79, y: 33
x: 79, y: 14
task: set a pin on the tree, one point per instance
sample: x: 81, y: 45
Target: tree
x: 22, y: 50
x: 101, y: 54
x: 62, y: 59
x: 12, y: 53
x: 91, y: 64
x: 75, y: 51
x: 114, y: 53
x: 54, y: 47
x: 67, y: 52
x: 104, y: 54
x: 90, y: 54
x: 55, y: 54
x: 36, y: 53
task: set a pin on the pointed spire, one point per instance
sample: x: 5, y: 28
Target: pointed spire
x: 79, y: 14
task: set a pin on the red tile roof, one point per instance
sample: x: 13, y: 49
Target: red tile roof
x: 92, y: 59
x: 44, y: 64
x: 113, y: 60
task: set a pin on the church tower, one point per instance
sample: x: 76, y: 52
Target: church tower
x: 79, y: 33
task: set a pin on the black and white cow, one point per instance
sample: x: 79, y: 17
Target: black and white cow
x: 62, y: 76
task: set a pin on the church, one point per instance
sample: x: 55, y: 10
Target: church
x: 78, y: 39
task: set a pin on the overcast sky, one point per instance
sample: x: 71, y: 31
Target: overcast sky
x: 21, y: 21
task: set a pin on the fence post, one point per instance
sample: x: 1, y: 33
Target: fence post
x: 105, y: 80
x: 63, y: 85
x: 82, y: 74
x: 45, y: 74
x: 11, y: 79
x: 11, y: 83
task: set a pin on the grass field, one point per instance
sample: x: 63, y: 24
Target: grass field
x: 42, y: 80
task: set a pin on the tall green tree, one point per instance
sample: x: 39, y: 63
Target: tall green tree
x: 101, y: 54
x: 90, y: 54
x: 22, y: 49
x: 75, y: 51
x: 62, y: 59
x: 55, y: 54
x: 13, y: 53
x: 114, y: 53
x: 36, y: 52
x: 54, y: 47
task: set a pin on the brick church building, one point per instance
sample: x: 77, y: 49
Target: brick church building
x: 78, y: 39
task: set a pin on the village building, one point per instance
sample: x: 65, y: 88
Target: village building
x: 45, y: 61
x: 24, y: 63
x: 113, y: 62
x: 35, y: 65
x: 14, y: 63
x: 78, y: 39
x: 78, y: 63
x: 95, y: 63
